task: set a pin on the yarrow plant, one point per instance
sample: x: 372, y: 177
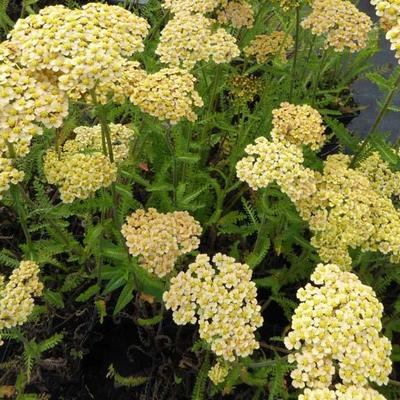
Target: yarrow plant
x: 177, y: 181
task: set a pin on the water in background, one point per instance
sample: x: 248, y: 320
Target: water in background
x: 367, y: 94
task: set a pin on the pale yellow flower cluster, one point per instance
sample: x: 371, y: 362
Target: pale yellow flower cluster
x: 159, y: 239
x: 188, y: 38
x: 336, y: 329
x: 245, y: 88
x: 298, y: 125
x: 168, y: 95
x: 26, y: 99
x: 16, y: 296
x: 85, y: 49
x: 78, y: 175
x: 8, y: 175
x: 237, y: 13
x: 288, y: 5
x: 277, y: 162
x: 222, y: 298
x: 218, y: 372
x: 91, y: 138
x: 347, y: 211
x: 194, y: 6
x: 344, y: 393
x: 383, y: 180
x: 81, y: 168
x: 393, y: 35
x: 264, y: 47
x: 388, y: 11
x: 344, y: 26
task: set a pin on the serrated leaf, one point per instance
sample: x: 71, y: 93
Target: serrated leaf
x: 385, y: 150
x: 342, y: 133
x: 379, y: 80
x: 54, y: 298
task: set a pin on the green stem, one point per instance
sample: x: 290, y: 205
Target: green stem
x: 210, y: 108
x: 317, y: 76
x: 378, y: 120
x: 306, y: 64
x: 106, y: 134
x: 296, y: 50
x: 171, y: 147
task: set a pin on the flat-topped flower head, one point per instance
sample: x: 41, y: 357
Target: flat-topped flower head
x: 168, y: 94
x: 236, y: 13
x: 265, y: 47
x: 78, y: 175
x: 16, y: 295
x: 245, y: 88
x: 27, y: 99
x: 288, y: 5
x: 340, y: 22
x: 81, y: 168
x: 193, y: 6
x: 347, y: 211
x: 189, y: 38
x: 222, y: 299
x: 8, y: 175
x: 90, y: 138
x: 337, y: 329
x: 86, y: 49
x: 277, y: 162
x: 160, y: 239
x: 343, y: 392
x: 384, y: 181
x: 299, y: 125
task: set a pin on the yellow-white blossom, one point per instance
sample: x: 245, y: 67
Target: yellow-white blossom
x: 384, y: 181
x: 81, y: 167
x: 193, y: 6
x: 343, y: 25
x: 27, y: 99
x: 188, y: 38
x: 85, y: 49
x: 87, y: 137
x: 336, y: 329
x: 8, y: 175
x: 237, y: 13
x: 222, y: 299
x: 218, y: 372
x: 388, y: 12
x: 342, y: 393
x: 16, y: 296
x: 278, y: 162
x: 265, y: 47
x: 346, y: 211
x: 298, y: 125
x: 159, y: 239
x: 168, y: 95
